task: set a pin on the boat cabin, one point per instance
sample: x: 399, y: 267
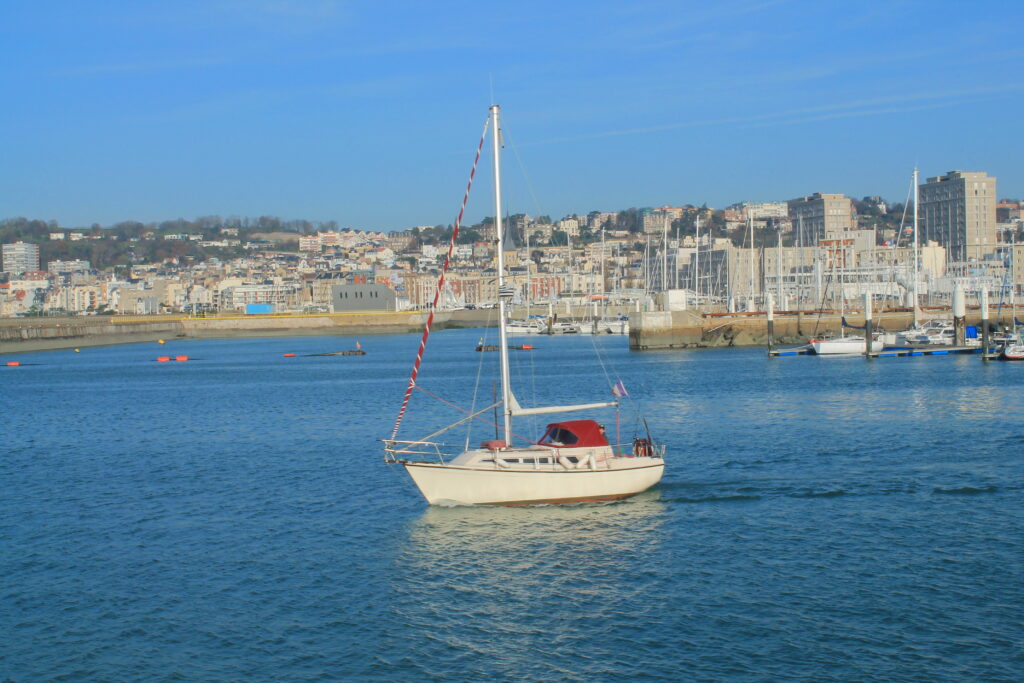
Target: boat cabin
x: 574, y: 434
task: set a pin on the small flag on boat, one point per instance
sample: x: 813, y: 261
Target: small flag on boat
x: 619, y: 389
x: 358, y: 345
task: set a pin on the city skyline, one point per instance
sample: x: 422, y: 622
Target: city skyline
x: 368, y: 115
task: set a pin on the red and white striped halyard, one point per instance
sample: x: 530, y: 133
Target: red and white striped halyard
x: 440, y: 286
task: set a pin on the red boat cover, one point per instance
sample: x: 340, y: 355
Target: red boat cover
x: 574, y: 434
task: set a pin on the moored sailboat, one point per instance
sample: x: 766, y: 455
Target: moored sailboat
x: 572, y: 462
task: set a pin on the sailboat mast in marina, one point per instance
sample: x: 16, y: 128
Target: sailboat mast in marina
x: 917, y: 191
x: 572, y: 462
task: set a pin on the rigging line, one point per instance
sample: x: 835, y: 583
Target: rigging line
x: 479, y: 373
x: 440, y: 285
x: 600, y: 359
x: 533, y: 369
x: 634, y: 404
x: 903, y: 218
x: 477, y: 415
x: 522, y: 168
x: 468, y: 418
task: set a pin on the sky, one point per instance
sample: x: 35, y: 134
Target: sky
x: 368, y: 113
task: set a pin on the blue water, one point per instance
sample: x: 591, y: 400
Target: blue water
x: 231, y: 518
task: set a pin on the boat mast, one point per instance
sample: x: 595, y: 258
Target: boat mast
x: 506, y: 389
x: 842, y: 290
x: 604, y: 289
x: 800, y: 262
x: 696, y: 260
x: 529, y: 275
x: 916, y: 198
x: 1013, y: 281
x: 664, y: 255
x: 778, y: 266
x: 750, y: 284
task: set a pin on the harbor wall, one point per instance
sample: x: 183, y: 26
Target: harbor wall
x: 21, y: 335
x: 648, y: 329
x: 652, y: 330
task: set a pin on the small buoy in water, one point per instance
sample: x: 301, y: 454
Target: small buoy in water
x: 163, y: 359
x: 76, y: 351
x: 181, y: 359
x: 13, y: 363
x: 289, y: 355
x: 527, y: 347
x: 159, y: 341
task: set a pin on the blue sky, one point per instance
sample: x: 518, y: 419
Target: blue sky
x: 367, y: 113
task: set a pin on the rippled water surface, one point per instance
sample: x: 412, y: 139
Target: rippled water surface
x: 230, y: 518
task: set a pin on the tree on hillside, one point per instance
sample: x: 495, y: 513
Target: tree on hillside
x: 629, y: 220
x: 558, y: 239
x: 469, y: 236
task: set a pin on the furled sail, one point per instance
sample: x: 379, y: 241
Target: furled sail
x: 517, y: 410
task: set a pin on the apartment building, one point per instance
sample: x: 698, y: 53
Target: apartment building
x: 821, y: 213
x: 958, y: 210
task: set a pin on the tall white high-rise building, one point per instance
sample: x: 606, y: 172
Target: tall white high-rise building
x: 20, y: 257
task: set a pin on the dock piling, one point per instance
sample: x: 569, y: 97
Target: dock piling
x: 867, y: 325
x: 959, y: 313
x: 984, y: 323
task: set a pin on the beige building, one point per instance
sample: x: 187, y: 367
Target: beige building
x: 659, y: 220
x: 570, y: 225
x: 821, y: 213
x: 761, y: 210
x: 958, y: 210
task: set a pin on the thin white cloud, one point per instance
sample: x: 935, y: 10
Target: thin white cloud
x: 867, y: 107
x: 144, y: 66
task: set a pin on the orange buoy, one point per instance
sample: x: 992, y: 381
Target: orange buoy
x: 77, y: 351
x: 13, y: 363
x: 159, y: 341
x: 163, y: 359
x: 181, y: 359
x: 527, y: 347
x: 289, y: 355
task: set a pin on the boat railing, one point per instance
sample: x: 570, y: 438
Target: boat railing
x: 394, y: 448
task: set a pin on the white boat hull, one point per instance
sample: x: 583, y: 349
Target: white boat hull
x: 1012, y: 352
x: 847, y: 345
x: 452, y: 484
x: 613, y: 327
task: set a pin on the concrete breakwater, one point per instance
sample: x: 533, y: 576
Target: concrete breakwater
x: 20, y: 335
x: 648, y: 329
x: 651, y: 330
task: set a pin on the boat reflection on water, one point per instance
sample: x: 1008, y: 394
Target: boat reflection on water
x: 476, y: 533
x: 544, y: 582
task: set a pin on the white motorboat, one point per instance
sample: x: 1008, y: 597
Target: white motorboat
x: 561, y: 327
x: 525, y: 327
x: 606, y: 325
x: 932, y: 333
x: 572, y: 462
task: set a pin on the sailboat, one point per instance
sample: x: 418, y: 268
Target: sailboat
x: 572, y: 462
x: 843, y: 345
